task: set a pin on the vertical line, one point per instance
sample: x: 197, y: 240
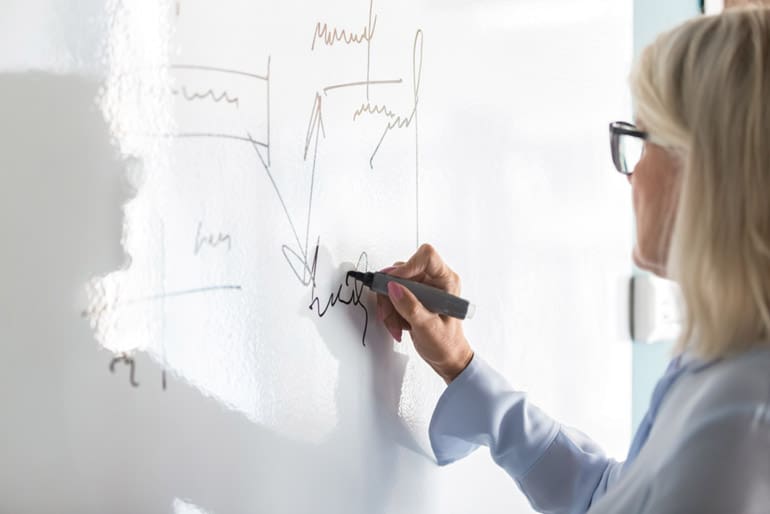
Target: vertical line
x: 312, y: 185
x: 369, y: 48
x: 417, y: 179
x: 164, y: 356
x: 268, y: 110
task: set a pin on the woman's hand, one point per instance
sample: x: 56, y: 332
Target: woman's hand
x: 438, y: 339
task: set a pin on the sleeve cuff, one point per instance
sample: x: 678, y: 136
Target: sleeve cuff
x: 447, y: 448
x: 480, y: 408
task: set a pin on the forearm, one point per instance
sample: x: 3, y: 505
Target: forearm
x: 559, y: 470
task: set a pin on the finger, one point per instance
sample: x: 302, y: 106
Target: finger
x: 420, y: 277
x: 427, y: 266
x: 397, y: 321
x: 408, y: 306
x: 394, y: 328
x: 390, y: 269
x: 384, y: 307
x: 392, y: 320
x: 425, y: 260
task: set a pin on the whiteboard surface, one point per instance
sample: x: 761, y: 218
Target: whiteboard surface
x: 269, y: 155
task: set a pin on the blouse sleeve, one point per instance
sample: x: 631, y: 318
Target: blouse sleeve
x: 560, y: 470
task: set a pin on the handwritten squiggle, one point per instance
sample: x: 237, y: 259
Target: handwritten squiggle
x: 335, y: 35
x: 396, y: 121
x: 191, y: 97
x: 356, y: 292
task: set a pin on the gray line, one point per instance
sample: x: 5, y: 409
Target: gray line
x: 184, y: 135
x: 185, y: 292
x: 362, y: 83
x: 219, y: 70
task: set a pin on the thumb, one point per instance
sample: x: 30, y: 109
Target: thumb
x: 407, y: 304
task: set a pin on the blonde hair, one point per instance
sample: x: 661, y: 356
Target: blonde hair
x: 702, y: 91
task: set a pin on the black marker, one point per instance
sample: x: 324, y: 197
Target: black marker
x: 434, y: 299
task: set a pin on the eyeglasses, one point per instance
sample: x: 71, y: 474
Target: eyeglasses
x: 627, y: 145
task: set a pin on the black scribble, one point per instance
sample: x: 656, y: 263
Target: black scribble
x: 128, y: 361
x: 196, y: 95
x: 355, y: 292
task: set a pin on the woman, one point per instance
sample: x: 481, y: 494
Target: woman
x: 701, y: 191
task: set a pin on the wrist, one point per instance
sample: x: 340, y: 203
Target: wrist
x: 457, y: 365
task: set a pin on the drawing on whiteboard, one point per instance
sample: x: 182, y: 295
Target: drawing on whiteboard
x: 131, y: 363
x: 366, y: 35
x: 209, y: 94
x: 220, y: 70
x: 323, y: 33
x: 128, y: 361
x: 211, y: 240
x: 297, y: 252
x: 355, y: 291
x: 361, y: 83
x: 394, y: 120
x: 184, y: 292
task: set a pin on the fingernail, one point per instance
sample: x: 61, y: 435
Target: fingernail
x: 395, y: 333
x: 395, y: 291
x: 388, y: 269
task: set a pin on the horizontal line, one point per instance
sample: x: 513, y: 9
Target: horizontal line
x: 218, y: 70
x: 216, y: 136
x: 362, y: 83
x: 186, y: 292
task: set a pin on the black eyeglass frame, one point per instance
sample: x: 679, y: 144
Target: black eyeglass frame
x: 618, y: 128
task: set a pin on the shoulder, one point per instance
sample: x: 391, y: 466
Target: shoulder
x: 721, y: 465
x: 720, y: 461
x: 731, y: 385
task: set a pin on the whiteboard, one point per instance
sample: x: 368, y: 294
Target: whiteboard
x: 207, y: 173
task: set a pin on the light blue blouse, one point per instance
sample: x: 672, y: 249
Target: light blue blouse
x: 703, y: 447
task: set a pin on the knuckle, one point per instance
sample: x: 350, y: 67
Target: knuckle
x: 428, y: 250
x: 412, y: 312
x: 456, y: 282
x: 435, y: 327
